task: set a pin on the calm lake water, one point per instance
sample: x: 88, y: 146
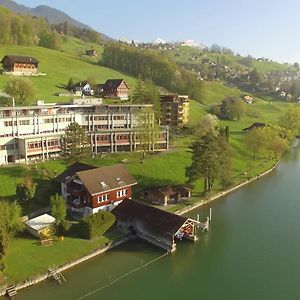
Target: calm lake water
x: 251, y: 252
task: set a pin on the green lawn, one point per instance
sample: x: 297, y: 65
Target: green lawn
x: 26, y: 257
x: 214, y: 92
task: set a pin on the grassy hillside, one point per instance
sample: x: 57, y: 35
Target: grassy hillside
x: 76, y: 47
x: 186, y: 54
x: 59, y: 67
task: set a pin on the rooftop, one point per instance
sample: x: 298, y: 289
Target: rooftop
x: 41, y: 222
x: 158, y: 221
x: 105, y: 179
x: 72, y: 170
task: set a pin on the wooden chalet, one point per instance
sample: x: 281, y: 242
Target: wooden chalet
x: 163, y: 195
x: 91, y: 52
x: 92, y: 189
x: 70, y: 173
x: 19, y: 65
x: 83, y: 88
x: 255, y: 125
x: 115, y: 88
x: 154, y: 225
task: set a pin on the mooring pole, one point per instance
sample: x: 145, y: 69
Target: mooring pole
x: 210, y: 213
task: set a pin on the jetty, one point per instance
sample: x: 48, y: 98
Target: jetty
x: 57, y: 276
x: 11, y: 291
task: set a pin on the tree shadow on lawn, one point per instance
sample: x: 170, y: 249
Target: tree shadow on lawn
x: 62, y: 86
x: 25, y: 235
x: 145, y: 182
x: 15, y: 171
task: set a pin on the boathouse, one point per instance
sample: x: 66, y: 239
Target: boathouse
x: 154, y: 225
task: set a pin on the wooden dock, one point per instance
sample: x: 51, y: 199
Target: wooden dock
x: 11, y: 291
x: 57, y: 276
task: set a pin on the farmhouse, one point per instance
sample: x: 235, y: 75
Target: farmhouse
x: 248, y: 99
x: 19, y: 65
x: 88, y: 189
x: 154, y: 225
x: 83, y: 88
x: 91, y: 52
x: 115, y: 88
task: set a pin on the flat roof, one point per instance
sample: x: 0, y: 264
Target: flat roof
x: 40, y: 222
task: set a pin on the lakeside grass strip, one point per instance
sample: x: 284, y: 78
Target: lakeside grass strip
x: 121, y: 277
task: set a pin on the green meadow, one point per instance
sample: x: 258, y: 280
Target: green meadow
x: 59, y: 67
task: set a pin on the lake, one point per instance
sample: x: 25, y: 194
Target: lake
x: 252, y: 251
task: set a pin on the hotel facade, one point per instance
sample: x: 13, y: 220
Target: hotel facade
x: 29, y: 133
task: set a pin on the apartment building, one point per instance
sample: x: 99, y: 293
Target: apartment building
x: 175, y: 110
x: 29, y: 133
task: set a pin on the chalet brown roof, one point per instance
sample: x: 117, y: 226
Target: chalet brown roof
x: 20, y: 59
x: 72, y: 170
x: 255, y: 126
x: 112, y: 84
x: 169, y: 98
x: 158, y: 221
x: 81, y: 83
x: 105, y: 179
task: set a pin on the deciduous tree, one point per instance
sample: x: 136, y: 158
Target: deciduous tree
x: 26, y: 191
x: 58, y: 208
x: 21, y: 89
x: 211, y: 160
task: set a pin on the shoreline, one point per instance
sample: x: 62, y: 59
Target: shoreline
x: 224, y: 193
x: 41, y: 277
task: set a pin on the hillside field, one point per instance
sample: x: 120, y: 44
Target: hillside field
x: 59, y: 68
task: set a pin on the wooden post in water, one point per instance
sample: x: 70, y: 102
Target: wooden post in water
x: 210, y: 213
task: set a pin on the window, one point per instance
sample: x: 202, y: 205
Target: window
x: 102, y: 198
x: 122, y: 193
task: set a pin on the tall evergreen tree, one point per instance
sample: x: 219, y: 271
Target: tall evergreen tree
x: 75, y: 143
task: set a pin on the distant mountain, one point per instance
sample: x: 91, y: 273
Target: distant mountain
x: 54, y: 16
x: 158, y: 41
x: 194, y: 44
x: 190, y: 43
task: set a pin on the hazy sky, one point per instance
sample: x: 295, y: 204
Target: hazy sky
x: 267, y: 28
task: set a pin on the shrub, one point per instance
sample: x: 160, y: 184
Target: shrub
x: 65, y: 226
x: 95, y: 225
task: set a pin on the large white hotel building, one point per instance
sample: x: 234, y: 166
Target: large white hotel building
x: 30, y: 133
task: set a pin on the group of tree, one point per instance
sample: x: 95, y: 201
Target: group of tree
x: 31, y: 30
x: 10, y: 223
x: 21, y: 89
x: 266, y: 141
x: 87, y: 35
x: 26, y: 30
x: 148, y: 131
x: 59, y: 212
x: 95, y: 225
x: 147, y: 92
x: 211, y: 156
x: 25, y: 192
x: 150, y: 64
x: 231, y: 108
x: 274, y: 140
